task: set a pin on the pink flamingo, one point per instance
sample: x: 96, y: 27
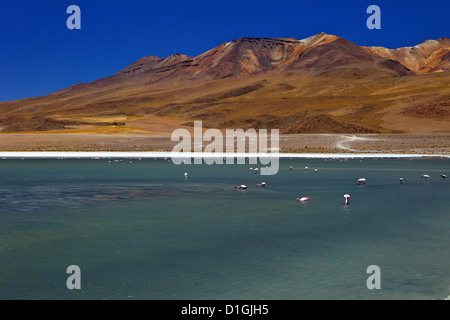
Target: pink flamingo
x: 347, y: 199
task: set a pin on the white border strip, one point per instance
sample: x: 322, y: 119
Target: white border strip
x: 157, y: 154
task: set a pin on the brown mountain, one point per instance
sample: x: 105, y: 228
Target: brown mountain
x: 427, y: 57
x: 320, y: 84
x: 249, y: 56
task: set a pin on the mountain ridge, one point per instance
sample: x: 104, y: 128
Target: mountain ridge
x: 165, y: 67
x: 323, y: 83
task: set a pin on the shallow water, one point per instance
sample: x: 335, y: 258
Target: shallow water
x: 143, y: 231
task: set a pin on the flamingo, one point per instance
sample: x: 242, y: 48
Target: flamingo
x: 362, y: 181
x: 303, y: 199
x: 347, y: 199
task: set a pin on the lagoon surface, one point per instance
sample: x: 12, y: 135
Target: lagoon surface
x: 143, y: 231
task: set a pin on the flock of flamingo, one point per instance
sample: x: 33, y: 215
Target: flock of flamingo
x: 360, y: 181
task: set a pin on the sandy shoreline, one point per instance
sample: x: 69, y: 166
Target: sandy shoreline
x: 433, y: 143
x: 168, y: 155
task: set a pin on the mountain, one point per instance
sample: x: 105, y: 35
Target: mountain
x: 322, y: 84
x: 249, y: 56
x: 427, y: 57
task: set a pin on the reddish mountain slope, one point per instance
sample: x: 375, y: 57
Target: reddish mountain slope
x: 320, y: 84
x: 319, y: 54
x: 427, y: 57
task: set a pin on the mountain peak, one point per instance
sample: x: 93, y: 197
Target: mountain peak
x: 319, y: 54
x: 276, y: 83
x: 147, y: 64
x: 427, y: 57
x: 257, y: 40
x: 320, y: 38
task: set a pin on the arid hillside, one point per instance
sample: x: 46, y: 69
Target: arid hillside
x: 322, y: 84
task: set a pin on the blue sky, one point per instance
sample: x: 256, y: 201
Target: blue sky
x: 39, y: 55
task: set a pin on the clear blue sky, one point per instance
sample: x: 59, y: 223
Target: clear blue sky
x: 39, y: 55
